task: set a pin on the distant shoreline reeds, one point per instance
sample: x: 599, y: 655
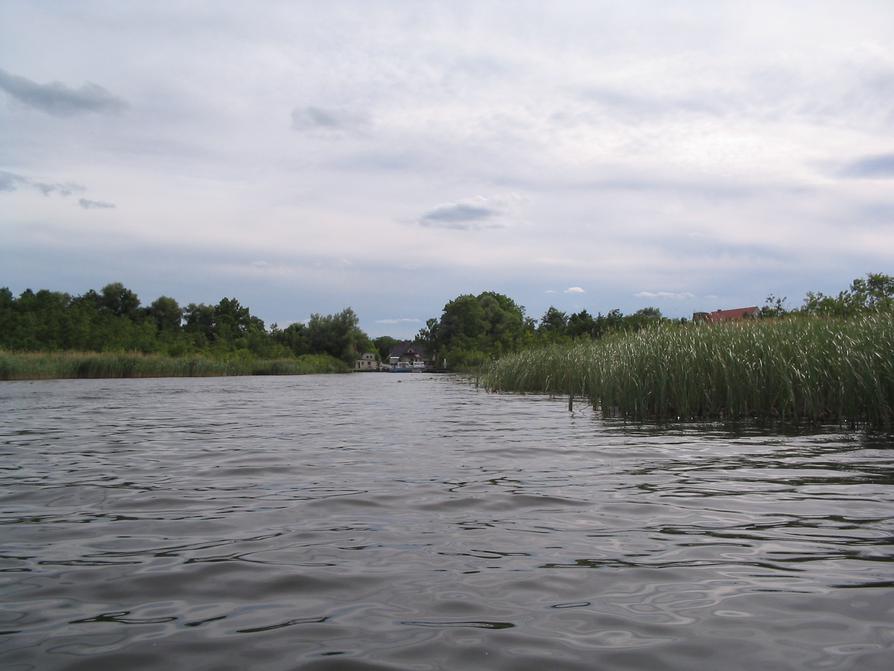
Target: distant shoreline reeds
x: 798, y: 370
x: 82, y: 365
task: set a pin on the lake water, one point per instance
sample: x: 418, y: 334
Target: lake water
x: 415, y: 522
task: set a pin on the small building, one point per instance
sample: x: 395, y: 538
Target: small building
x: 367, y: 361
x: 408, y: 355
x: 735, y: 314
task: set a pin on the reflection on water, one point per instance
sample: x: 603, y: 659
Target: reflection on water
x: 414, y: 522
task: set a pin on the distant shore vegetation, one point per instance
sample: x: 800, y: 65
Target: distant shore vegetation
x: 831, y: 360
x: 828, y: 359
x: 84, y: 365
x: 108, y: 333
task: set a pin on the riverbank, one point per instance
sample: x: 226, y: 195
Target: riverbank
x: 67, y: 365
x: 795, y: 370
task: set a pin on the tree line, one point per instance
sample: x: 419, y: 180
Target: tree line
x: 875, y: 292
x: 474, y: 329
x: 471, y: 330
x: 113, y: 319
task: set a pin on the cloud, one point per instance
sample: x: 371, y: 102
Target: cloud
x: 457, y: 215
x: 58, y: 99
x: 399, y: 320
x: 879, y: 166
x: 666, y: 295
x: 329, y: 121
x: 574, y: 290
x: 11, y: 182
x: 62, y: 189
x: 95, y: 204
x: 473, y: 214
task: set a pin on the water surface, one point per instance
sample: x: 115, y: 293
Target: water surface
x: 413, y: 522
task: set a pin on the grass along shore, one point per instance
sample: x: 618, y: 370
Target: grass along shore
x: 64, y: 365
x: 802, y: 369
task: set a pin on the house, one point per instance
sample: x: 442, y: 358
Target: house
x: 408, y: 354
x: 367, y: 361
x: 727, y: 315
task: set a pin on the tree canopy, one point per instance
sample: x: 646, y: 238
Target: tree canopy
x: 113, y: 320
x: 473, y: 329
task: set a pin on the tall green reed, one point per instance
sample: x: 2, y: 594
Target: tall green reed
x: 792, y: 370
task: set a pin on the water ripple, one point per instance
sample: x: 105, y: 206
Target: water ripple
x: 368, y: 522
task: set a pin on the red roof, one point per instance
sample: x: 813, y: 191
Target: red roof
x: 731, y: 315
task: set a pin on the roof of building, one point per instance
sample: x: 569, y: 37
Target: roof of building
x: 408, y: 347
x: 730, y: 315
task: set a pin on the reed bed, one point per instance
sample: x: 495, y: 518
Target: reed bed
x: 799, y: 370
x: 56, y: 365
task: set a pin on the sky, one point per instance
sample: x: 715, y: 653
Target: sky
x: 304, y: 157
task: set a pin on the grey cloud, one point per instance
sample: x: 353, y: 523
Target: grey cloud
x: 456, y: 215
x: 328, y: 120
x: 58, y: 99
x: 95, y: 204
x: 61, y: 189
x: 872, y: 167
x: 473, y: 214
x: 11, y: 182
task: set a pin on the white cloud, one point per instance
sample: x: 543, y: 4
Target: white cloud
x: 399, y: 320
x: 574, y: 290
x: 666, y: 295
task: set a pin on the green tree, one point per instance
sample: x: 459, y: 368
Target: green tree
x: 774, y: 307
x: 553, y: 324
x: 166, y: 314
x: 875, y: 292
x: 429, y: 335
x: 294, y: 337
x: 641, y: 319
x: 119, y: 300
x: 383, y: 345
x: 233, y: 323
x: 581, y: 324
x: 337, y: 335
x: 198, y: 321
x: 473, y: 329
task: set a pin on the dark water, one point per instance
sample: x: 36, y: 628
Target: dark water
x: 414, y: 522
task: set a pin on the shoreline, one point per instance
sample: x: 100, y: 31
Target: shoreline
x: 22, y: 366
